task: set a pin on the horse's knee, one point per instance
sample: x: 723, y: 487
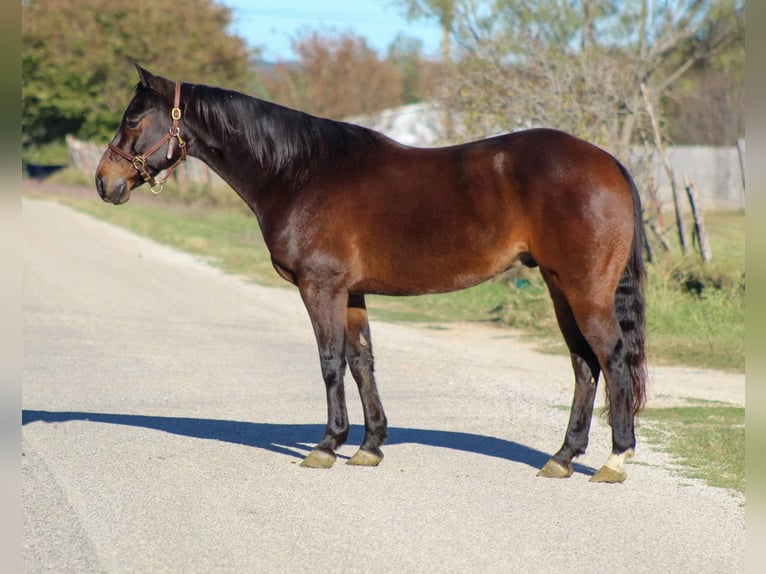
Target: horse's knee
x: 333, y: 367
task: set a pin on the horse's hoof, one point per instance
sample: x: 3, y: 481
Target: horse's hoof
x: 553, y: 469
x: 318, y: 459
x: 364, y: 458
x: 607, y: 474
x: 614, y: 468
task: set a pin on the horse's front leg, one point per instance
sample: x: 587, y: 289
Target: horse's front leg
x: 360, y: 361
x: 327, y: 310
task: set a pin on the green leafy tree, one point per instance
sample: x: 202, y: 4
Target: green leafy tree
x: 76, y: 54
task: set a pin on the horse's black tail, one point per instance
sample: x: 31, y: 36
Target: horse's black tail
x: 629, y: 304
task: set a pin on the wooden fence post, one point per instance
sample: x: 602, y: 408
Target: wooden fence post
x: 741, y: 155
x: 699, y: 222
x: 668, y: 170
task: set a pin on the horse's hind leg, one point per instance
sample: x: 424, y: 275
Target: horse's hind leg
x: 586, y: 370
x: 327, y: 310
x: 360, y: 361
x: 599, y: 325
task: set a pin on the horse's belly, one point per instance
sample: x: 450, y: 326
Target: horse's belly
x: 415, y: 274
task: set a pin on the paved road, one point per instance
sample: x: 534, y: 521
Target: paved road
x: 167, y: 406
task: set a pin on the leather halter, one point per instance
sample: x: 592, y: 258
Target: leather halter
x: 173, y: 137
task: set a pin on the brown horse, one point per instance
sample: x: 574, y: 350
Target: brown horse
x: 346, y: 211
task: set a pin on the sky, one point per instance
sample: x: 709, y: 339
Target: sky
x: 271, y: 24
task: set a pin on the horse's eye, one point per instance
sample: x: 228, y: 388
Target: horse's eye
x: 131, y: 124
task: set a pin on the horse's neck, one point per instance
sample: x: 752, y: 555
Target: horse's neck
x: 232, y: 160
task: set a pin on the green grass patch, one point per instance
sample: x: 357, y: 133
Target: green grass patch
x: 707, y: 441
x: 695, y: 313
x: 71, y: 176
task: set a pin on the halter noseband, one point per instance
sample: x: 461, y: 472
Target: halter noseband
x: 173, y: 137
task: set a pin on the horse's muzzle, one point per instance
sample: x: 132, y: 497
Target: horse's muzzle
x: 112, y: 192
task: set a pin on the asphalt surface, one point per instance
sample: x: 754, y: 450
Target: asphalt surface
x: 167, y: 406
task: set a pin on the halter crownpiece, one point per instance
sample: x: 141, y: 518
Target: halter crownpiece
x: 173, y: 137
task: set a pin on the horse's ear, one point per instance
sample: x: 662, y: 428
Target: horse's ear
x: 156, y: 83
x: 144, y: 76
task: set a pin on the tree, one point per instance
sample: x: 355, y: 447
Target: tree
x: 444, y: 12
x: 580, y: 64
x: 335, y: 76
x: 707, y: 105
x: 420, y: 76
x: 76, y: 72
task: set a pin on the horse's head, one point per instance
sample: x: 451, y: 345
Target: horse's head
x: 148, y: 141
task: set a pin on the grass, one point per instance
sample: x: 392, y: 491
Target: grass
x: 707, y: 441
x: 695, y: 313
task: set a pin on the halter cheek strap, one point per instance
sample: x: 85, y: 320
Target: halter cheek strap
x: 173, y: 137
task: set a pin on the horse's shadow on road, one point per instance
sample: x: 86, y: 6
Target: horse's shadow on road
x: 294, y: 439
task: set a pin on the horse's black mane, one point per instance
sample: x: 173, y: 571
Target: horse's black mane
x: 277, y: 136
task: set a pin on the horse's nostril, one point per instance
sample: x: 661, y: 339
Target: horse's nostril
x: 120, y: 190
x: 100, y: 185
